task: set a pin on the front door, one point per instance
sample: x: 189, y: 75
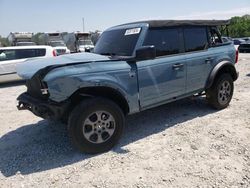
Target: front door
x: 163, y: 78
x: 160, y: 80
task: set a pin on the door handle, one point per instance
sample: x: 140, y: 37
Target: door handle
x: 177, y: 66
x: 209, y: 60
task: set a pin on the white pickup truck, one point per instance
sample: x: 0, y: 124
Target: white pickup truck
x: 56, y: 41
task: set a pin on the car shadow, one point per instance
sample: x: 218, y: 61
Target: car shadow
x: 12, y: 84
x: 45, y: 145
x: 248, y: 75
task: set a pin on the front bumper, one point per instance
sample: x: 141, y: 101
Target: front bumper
x: 42, y: 108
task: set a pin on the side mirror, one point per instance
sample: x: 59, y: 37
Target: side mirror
x: 145, y: 53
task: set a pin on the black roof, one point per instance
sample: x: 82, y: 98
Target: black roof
x: 165, y: 23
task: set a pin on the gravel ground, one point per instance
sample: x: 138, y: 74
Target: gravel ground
x: 182, y: 144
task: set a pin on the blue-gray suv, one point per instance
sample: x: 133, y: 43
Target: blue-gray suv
x: 134, y: 67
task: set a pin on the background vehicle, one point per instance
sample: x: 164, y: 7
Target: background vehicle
x: 134, y: 67
x: 11, y: 56
x: 244, y: 47
x: 56, y: 41
x: 79, y: 42
x: 226, y: 39
x: 25, y: 44
x: 247, y: 39
x: 21, y: 39
x: 237, y: 42
x: 95, y: 36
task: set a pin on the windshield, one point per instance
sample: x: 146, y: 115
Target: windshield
x: 57, y: 43
x: 118, y: 42
x: 85, y: 42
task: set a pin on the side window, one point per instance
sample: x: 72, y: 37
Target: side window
x: 7, y: 55
x: 40, y: 52
x: 214, y: 36
x: 166, y: 41
x: 195, y: 38
x: 24, y: 53
x: 21, y: 54
x: 29, y: 53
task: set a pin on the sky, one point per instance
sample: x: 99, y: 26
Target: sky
x: 66, y: 15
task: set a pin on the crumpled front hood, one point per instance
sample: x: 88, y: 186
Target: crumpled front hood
x: 27, y: 69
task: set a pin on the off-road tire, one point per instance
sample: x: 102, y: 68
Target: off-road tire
x: 82, y: 113
x: 216, y: 93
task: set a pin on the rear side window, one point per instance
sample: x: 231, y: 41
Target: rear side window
x: 214, y: 36
x: 166, y: 41
x: 195, y: 38
x: 21, y: 54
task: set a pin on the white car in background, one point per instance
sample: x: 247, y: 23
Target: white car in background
x: 10, y: 57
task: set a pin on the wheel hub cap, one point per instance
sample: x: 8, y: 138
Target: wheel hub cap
x: 224, y: 93
x: 98, y: 127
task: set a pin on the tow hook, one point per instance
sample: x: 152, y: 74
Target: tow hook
x: 22, y: 106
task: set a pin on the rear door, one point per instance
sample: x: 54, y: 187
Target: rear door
x: 198, y: 58
x: 164, y: 77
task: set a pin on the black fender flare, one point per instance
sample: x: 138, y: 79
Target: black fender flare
x: 227, y: 66
x: 108, y: 92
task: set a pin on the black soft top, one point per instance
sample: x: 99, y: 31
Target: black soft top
x: 167, y: 23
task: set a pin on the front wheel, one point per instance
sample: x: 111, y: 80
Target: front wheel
x: 221, y: 92
x: 96, y: 125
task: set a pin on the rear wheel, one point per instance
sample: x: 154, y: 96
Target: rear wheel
x: 221, y: 92
x: 96, y: 125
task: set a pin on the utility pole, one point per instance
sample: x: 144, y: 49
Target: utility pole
x: 83, y: 25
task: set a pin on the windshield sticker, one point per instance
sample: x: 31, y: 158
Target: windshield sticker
x: 133, y: 31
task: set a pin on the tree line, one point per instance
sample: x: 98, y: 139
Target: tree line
x: 239, y: 26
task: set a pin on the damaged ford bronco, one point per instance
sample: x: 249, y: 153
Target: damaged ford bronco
x: 134, y: 67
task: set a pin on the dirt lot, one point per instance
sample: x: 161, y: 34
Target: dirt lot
x: 182, y: 144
